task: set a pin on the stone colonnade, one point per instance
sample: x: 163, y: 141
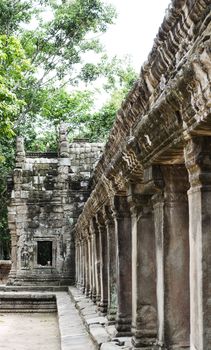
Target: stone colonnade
x: 143, y: 238
x: 144, y: 257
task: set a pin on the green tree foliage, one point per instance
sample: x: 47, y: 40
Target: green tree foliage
x: 120, y: 78
x: 13, y: 66
x: 13, y: 13
x: 6, y: 163
x: 47, y: 76
x: 62, y: 106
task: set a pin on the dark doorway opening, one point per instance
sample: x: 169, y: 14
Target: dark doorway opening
x: 44, y: 253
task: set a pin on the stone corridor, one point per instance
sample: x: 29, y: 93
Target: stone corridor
x: 131, y: 226
x: 143, y: 238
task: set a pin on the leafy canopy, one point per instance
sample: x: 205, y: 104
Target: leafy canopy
x: 13, y: 66
x: 48, y: 75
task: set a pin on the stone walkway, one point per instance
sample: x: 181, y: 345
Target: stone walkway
x: 62, y: 331
x: 73, y: 333
x: 79, y: 325
x: 104, y: 335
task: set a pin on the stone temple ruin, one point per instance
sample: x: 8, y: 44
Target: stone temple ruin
x: 142, y: 242
x: 49, y: 191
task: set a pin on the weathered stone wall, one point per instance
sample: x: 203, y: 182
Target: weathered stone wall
x: 5, y: 266
x: 48, y: 195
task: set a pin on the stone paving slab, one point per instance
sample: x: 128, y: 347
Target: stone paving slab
x: 25, y: 331
x: 72, y: 330
x: 78, y: 319
x: 73, y: 334
x: 102, y: 334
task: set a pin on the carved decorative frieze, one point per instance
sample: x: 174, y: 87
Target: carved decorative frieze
x: 198, y: 160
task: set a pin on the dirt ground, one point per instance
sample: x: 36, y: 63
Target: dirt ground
x: 29, y: 332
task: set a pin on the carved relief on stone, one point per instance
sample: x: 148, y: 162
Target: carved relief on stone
x: 132, y: 168
x: 108, y: 185
x: 147, y: 317
x: 120, y: 207
x: 64, y: 145
x: 140, y: 204
x: 20, y: 152
x: 119, y: 183
x: 198, y: 160
x: 26, y: 256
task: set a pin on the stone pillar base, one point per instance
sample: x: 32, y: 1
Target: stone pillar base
x: 123, y: 327
x: 93, y: 295
x: 145, y: 340
x: 170, y: 347
x: 102, y: 307
x: 87, y: 292
x: 111, y: 316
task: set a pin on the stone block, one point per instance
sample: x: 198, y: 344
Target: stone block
x: 99, y: 334
x: 64, y: 162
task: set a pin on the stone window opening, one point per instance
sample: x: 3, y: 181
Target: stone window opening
x: 44, y: 253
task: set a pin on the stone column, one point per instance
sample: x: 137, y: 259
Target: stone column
x: 90, y: 266
x: 172, y: 255
x: 86, y: 262
x: 144, y: 304
x: 103, y: 264
x: 97, y: 262
x: 93, y: 258
x: 77, y: 264
x: 198, y: 163
x: 124, y: 269
x: 83, y: 265
x: 13, y: 270
x: 112, y: 260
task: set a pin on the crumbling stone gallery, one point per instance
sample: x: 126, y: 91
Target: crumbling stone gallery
x: 142, y: 243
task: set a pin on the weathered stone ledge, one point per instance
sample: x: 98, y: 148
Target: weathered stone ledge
x: 72, y: 332
x: 31, y: 288
x: 27, y: 302
x: 102, y: 334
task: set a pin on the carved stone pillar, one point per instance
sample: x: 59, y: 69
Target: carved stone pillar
x: 81, y: 268
x: 97, y: 263
x: 77, y: 264
x: 90, y: 267
x: 198, y: 163
x: 83, y: 265
x: 93, y: 259
x: 144, y: 304
x: 112, y: 259
x: 87, y: 280
x: 124, y: 269
x: 172, y: 255
x: 80, y: 263
x: 103, y: 264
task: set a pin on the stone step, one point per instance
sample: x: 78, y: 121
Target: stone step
x: 31, y: 288
x: 13, y: 302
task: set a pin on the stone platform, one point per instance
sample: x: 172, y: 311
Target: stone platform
x: 80, y: 325
x: 103, y: 335
x: 73, y: 334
